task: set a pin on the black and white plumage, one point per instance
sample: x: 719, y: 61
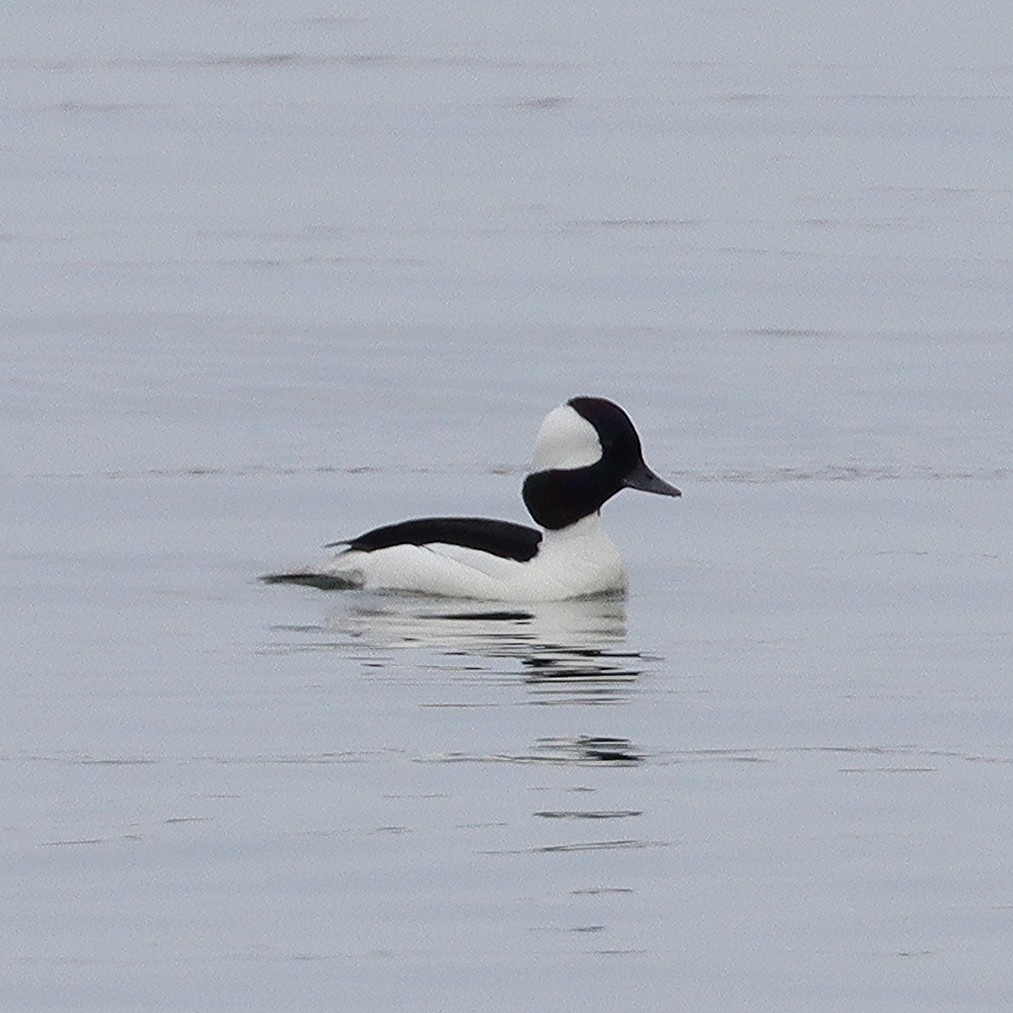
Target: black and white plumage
x: 586, y: 451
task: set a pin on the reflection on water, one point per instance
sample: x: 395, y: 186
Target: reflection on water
x: 580, y: 750
x: 589, y: 749
x: 563, y: 651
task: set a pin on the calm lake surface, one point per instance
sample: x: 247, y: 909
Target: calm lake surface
x: 274, y: 275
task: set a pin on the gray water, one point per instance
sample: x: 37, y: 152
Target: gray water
x: 273, y: 275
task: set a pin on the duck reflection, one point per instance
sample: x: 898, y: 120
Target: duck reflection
x: 569, y: 648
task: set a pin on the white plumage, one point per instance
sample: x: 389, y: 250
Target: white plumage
x: 585, y: 452
x: 576, y: 561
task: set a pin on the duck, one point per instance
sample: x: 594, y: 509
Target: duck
x: 586, y: 451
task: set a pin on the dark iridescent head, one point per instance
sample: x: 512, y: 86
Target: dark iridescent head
x: 585, y: 452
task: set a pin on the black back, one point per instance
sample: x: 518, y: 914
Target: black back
x: 560, y: 497
x: 500, y: 538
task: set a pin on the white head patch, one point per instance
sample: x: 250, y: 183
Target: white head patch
x: 565, y: 440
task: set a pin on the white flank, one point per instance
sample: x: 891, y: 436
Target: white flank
x: 575, y: 562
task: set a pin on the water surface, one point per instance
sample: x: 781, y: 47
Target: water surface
x: 273, y: 277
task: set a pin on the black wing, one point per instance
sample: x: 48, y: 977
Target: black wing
x: 500, y: 538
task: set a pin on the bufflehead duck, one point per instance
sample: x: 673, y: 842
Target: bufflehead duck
x: 586, y: 451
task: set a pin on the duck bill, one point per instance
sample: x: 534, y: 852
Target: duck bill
x: 642, y: 478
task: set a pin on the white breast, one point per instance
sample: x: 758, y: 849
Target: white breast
x: 574, y: 562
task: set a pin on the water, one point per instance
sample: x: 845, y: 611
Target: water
x: 273, y: 277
